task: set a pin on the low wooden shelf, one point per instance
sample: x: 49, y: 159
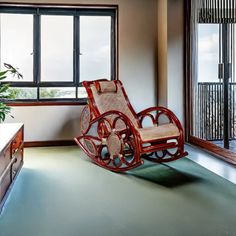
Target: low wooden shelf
x: 11, y: 156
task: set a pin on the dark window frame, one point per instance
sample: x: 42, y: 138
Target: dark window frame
x: 76, y: 11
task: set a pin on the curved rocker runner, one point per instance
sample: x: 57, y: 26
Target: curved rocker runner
x: 116, y: 138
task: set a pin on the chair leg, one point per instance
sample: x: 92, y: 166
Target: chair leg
x: 111, y: 141
x: 108, y: 156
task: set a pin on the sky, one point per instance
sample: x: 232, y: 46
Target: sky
x: 208, y: 52
x: 16, y: 46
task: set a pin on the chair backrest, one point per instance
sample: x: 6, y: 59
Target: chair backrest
x: 105, y: 95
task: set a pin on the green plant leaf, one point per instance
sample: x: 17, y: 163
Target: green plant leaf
x: 4, y: 88
x: 5, y: 93
x: 2, y: 73
x: 3, y: 77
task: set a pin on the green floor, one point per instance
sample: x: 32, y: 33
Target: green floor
x: 61, y: 193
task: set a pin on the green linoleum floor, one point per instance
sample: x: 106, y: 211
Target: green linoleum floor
x: 58, y: 193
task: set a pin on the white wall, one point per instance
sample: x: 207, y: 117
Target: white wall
x: 137, y: 45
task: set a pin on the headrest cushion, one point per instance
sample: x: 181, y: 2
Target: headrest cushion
x: 106, y: 86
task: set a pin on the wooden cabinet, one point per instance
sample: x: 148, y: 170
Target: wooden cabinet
x: 11, y: 156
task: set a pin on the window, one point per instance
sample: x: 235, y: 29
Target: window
x: 210, y: 76
x: 17, y: 43
x: 56, y: 49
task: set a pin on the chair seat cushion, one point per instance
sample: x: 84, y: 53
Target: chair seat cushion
x: 165, y: 131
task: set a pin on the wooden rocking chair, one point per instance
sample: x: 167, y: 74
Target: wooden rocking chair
x: 115, y: 137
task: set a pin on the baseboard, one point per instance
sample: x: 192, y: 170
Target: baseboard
x: 49, y: 143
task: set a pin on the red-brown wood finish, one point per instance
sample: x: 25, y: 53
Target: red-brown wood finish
x: 49, y: 143
x: 52, y: 103
x: 217, y: 151
x: 11, y: 156
x: 126, y: 150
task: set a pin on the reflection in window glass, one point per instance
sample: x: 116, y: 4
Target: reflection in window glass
x: 82, y: 92
x: 207, y: 103
x: 57, y: 92
x: 16, y: 44
x: 208, y: 52
x: 23, y: 93
x: 57, y: 48
x: 53, y: 54
x: 95, y: 47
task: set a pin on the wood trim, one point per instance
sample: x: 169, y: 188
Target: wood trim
x: 9, y: 189
x: 49, y: 143
x: 23, y: 104
x: 215, y: 150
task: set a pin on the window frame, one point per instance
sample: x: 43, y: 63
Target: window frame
x: 65, y: 10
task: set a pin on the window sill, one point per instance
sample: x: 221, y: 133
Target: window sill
x: 48, y: 103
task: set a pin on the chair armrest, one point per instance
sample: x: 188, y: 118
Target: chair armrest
x: 154, y: 113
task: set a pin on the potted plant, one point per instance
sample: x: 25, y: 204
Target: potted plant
x: 5, y: 93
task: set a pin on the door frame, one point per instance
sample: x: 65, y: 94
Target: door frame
x: 217, y: 151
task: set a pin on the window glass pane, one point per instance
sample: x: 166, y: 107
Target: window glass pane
x: 23, y: 93
x: 82, y: 92
x: 57, y: 48
x: 16, y: 44
x: 47, y: 93
x: 207, y: 93
x: 95, y: 47
x: 208, y: 52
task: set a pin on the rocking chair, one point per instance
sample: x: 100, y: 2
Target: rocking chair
x: 115, y: 137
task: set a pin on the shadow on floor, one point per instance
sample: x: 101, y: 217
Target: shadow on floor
x: 164, y: 175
